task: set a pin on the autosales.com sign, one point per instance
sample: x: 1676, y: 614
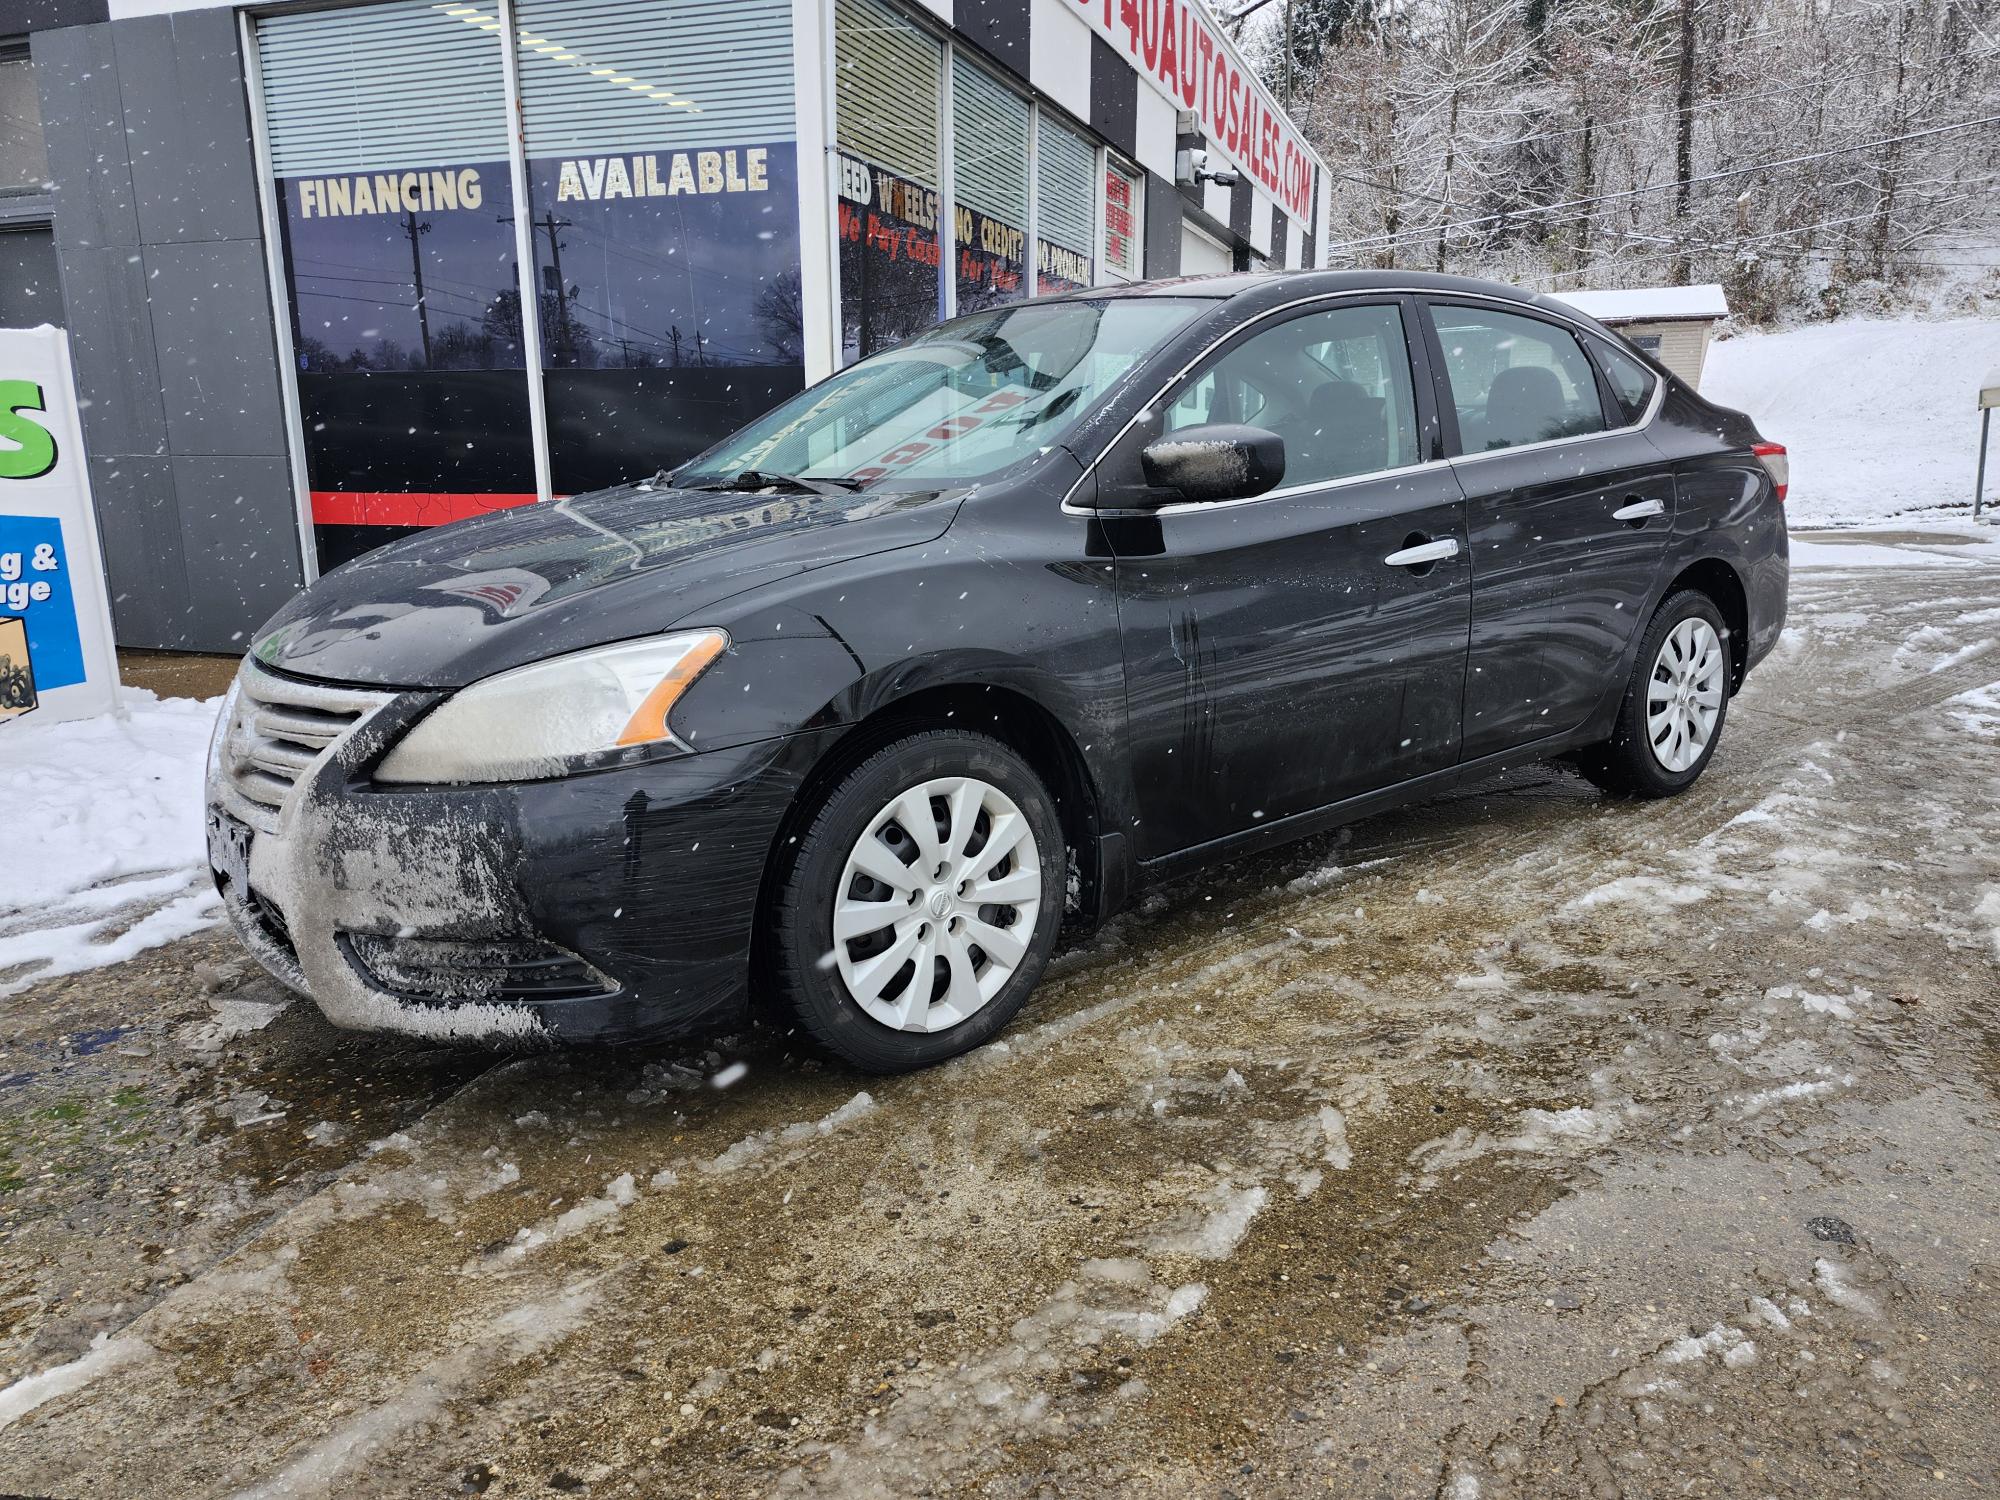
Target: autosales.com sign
x: 56, y: 659
x: 1175, y: 45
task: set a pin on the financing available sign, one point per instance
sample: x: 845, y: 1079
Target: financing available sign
x: 56, y: 657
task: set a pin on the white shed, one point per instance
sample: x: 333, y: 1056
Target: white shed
x: 1671, y: 323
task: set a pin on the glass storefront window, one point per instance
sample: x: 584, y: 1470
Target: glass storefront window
x: 989, y: 184
x: 388, y: 139
x: 1124, y: 257
x: 888, y: 90
x: 1065, y: 179
x: 664, y: 189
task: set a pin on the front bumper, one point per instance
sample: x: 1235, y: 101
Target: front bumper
x: 613, y: 906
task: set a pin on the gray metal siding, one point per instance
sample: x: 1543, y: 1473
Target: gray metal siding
x: 161, y: 257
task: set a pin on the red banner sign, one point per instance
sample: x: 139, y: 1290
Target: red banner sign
x: 1180, y: 52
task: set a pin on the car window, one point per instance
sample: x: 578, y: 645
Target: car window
x: 957, y: 403
x: 1631, y: 381
x: 1515, y: 380
x: 1334, y: 385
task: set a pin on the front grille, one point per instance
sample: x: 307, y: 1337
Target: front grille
x: 521, y: 970
x: 278, y: 732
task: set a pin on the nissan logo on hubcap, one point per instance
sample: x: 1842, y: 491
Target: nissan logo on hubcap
x: 940, y: 903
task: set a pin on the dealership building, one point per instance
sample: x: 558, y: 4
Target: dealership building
x: 334, y: 272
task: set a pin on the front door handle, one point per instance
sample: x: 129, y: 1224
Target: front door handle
x: 1639, y: 510
x: 1423, y: 554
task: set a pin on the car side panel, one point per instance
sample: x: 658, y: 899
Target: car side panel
x: 1018, y: 596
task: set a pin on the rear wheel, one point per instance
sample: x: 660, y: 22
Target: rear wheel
x: 922, y: 903
x: 1671, y: 719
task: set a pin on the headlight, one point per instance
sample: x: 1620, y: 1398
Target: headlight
x: 573, y: 713
x: 223, y: 715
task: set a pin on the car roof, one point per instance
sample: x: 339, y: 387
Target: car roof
x: 1263, y: 286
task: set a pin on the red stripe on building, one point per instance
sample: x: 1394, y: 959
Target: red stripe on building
x: 405, y: 508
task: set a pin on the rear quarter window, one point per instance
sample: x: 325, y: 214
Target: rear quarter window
x: 1631, y: 382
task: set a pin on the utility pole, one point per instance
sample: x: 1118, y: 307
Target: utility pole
x: 549, y: 223
x: 415, y: 230
x: 1288, y: 56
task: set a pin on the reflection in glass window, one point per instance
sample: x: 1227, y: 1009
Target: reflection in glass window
x: 1065, y: 173
x: 24, y: 157
x: 664, y: 210
x: 1515, y: 380
x: 399, y: 259
x: 989, y: 180
x: 964, y: 400
x: 1334, y: 385
x: 888, y: 86
x: 1123, y: 218
x: 1630, y: 380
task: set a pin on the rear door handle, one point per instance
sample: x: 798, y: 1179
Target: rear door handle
x: 1640, y: 510
x: 1428, y: 552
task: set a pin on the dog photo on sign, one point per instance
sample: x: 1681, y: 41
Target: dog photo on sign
x: 17, y: 673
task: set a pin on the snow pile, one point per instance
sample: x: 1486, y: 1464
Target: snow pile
x: 1878, y: 418
x: 104, y: 837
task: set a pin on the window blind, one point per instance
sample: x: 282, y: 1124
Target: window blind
x: 607, y: 76
x: 1065, y: 186
x: 383, y: 87
x: 888, y: 75
x: 989, y: 152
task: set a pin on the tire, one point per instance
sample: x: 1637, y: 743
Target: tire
x: 857, y: 852
x: 1685, y: 650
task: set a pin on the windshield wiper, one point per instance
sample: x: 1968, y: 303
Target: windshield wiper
x: 765, y: 479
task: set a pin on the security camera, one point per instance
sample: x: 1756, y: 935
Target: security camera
x: 1192, y: 170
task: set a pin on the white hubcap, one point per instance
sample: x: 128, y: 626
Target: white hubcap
x: 937, y: 905
x: 1684, y: 695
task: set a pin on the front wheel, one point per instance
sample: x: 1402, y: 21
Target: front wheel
x: 1671, y: 718
x: 922, y: 903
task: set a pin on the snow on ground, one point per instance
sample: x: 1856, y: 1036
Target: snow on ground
x: 1879, y: 418
x: 105, y: 848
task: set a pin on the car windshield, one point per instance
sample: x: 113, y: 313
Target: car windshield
x: 963, y: 401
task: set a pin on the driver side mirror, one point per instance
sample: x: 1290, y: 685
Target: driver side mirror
x: 1217, y: 461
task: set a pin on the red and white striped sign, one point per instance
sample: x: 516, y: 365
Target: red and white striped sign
x: 1179, y: 51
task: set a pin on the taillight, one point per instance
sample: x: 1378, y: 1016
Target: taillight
x: 1779, y: 467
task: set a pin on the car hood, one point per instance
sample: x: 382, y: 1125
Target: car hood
x: 447, y: 607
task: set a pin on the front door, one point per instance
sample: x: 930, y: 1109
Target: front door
x: 1569, y: 507
x: 1276, y: 658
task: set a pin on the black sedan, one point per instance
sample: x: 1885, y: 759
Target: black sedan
x: 839, y: 723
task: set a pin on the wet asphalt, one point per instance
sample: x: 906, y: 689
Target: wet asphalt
x: 1520, y: 1144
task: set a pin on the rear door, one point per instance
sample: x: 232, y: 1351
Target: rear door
x: 1276, y: 660
x: 1569, y: 508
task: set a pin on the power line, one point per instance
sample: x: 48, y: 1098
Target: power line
x: 1432, y: 231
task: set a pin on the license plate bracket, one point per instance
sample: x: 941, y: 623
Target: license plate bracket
x: 229, y: 849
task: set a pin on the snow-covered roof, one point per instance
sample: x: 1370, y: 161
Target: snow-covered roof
x: 1646, y: 304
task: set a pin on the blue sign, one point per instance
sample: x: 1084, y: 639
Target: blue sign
x: 35, y: 588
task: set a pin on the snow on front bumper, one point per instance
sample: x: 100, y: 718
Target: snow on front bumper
x: 626, y: 897
x: 305, y: 866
